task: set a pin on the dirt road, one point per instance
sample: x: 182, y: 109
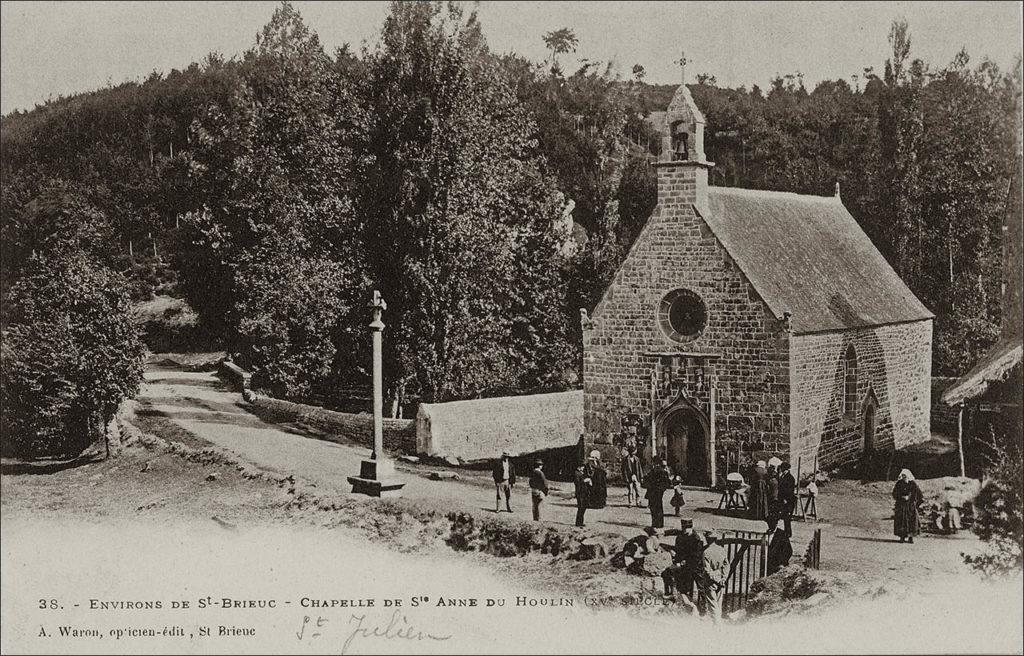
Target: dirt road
x: 859, y: 538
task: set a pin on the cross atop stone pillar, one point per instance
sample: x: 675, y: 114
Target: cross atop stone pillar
x: 376, y: 475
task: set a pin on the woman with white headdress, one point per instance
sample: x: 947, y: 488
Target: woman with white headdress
x: 908, y: 497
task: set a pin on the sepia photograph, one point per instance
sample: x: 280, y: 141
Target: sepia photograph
x: 423, y: 327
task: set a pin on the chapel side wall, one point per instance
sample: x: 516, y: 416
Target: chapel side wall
x: 893, y: 361
x: 677, y: 249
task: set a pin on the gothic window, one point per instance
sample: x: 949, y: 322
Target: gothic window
x: 682, y: 315
x: 850, y: 382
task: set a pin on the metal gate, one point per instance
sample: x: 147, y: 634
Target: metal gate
x: 748, y: 558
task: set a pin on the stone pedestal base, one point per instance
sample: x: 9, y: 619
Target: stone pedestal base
x: 376, y: 479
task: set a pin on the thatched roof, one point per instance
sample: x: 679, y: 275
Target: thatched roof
x: 994, y: 366
x: 806, y: 255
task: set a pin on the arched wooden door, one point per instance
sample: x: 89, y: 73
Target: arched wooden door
x: 685, y: 442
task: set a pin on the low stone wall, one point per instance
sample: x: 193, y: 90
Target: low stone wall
x: 399, y: 434
x: 235, y: 374
x: 480, y: 429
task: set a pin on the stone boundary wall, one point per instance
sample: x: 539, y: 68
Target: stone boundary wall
x: 399, y: 434
x: 234, y: 373
x: 480, y: 429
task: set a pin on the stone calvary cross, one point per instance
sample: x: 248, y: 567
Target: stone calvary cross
x: 377, y: 475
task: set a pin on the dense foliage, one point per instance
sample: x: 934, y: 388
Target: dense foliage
x: 71, y: 354
x: 999, y: 511
x: 281, y: 188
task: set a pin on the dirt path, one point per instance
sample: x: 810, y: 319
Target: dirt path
x: 199, y: 404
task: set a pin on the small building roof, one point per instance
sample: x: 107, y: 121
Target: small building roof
x: 807, y: 255
x: 994, y: 366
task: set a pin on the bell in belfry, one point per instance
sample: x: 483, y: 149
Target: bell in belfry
x: 681, y: 150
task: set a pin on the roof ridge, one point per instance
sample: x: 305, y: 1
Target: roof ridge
x: 741, y: 191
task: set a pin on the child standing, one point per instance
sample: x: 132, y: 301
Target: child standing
x: 677, y: 494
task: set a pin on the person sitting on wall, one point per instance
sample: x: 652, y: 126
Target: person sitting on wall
x: 634, y: 553
x: 504, y: 475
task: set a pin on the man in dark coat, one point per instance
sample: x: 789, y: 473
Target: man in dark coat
x: 687, y: 560
x: 583, y: 484
x: 538, y: 488
x: 787, y: 497
x: 907, y: 495
x: 657, y: 482
x: 504, y: 475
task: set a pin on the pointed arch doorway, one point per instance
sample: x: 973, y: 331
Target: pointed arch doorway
x: 684, y: 439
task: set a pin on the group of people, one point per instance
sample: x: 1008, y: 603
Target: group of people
x: 772, y: 495
x: 590, y: 480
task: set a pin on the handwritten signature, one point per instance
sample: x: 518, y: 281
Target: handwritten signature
x: 398, y: 627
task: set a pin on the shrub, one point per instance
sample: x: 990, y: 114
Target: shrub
x: 71, y: 354
x: 998, y: 512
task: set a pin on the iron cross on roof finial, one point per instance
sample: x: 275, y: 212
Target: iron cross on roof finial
x: 682, y: 61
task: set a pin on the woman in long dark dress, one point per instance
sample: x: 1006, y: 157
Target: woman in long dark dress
x: 907, y: 496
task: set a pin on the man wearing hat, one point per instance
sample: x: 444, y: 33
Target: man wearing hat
x: 787, y: 496
x: 687, y: 560
x: 504, y: 475
x: 538, y: 487
x: 714, y: 572
x: 657, y: 483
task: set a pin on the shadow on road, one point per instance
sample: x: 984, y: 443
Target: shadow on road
x: 47, y: 466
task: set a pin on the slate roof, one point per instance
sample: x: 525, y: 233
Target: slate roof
x: 994, y: 366
x: 806, y: 255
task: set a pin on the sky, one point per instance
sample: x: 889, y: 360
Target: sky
x: 52, y: 49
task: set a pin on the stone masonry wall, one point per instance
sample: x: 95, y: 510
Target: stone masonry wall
x: 399, y: 434
x: 481, y: 429
x: 893, y: 363
x: 676, y: 249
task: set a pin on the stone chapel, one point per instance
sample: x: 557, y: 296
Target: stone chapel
x: 746, y: 323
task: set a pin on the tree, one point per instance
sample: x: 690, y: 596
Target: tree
x: 271, y: 260
x: 71, y: 355
x: 457, y: 214
x: 560, y: 42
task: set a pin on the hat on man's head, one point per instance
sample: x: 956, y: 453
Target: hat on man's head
x: 685, y: 523
x: 506, y: 454
x: 538, y: 462
x: 774, y: 462
x: 650, y: 530
x: 784, y: 466
x: 595, y: 454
